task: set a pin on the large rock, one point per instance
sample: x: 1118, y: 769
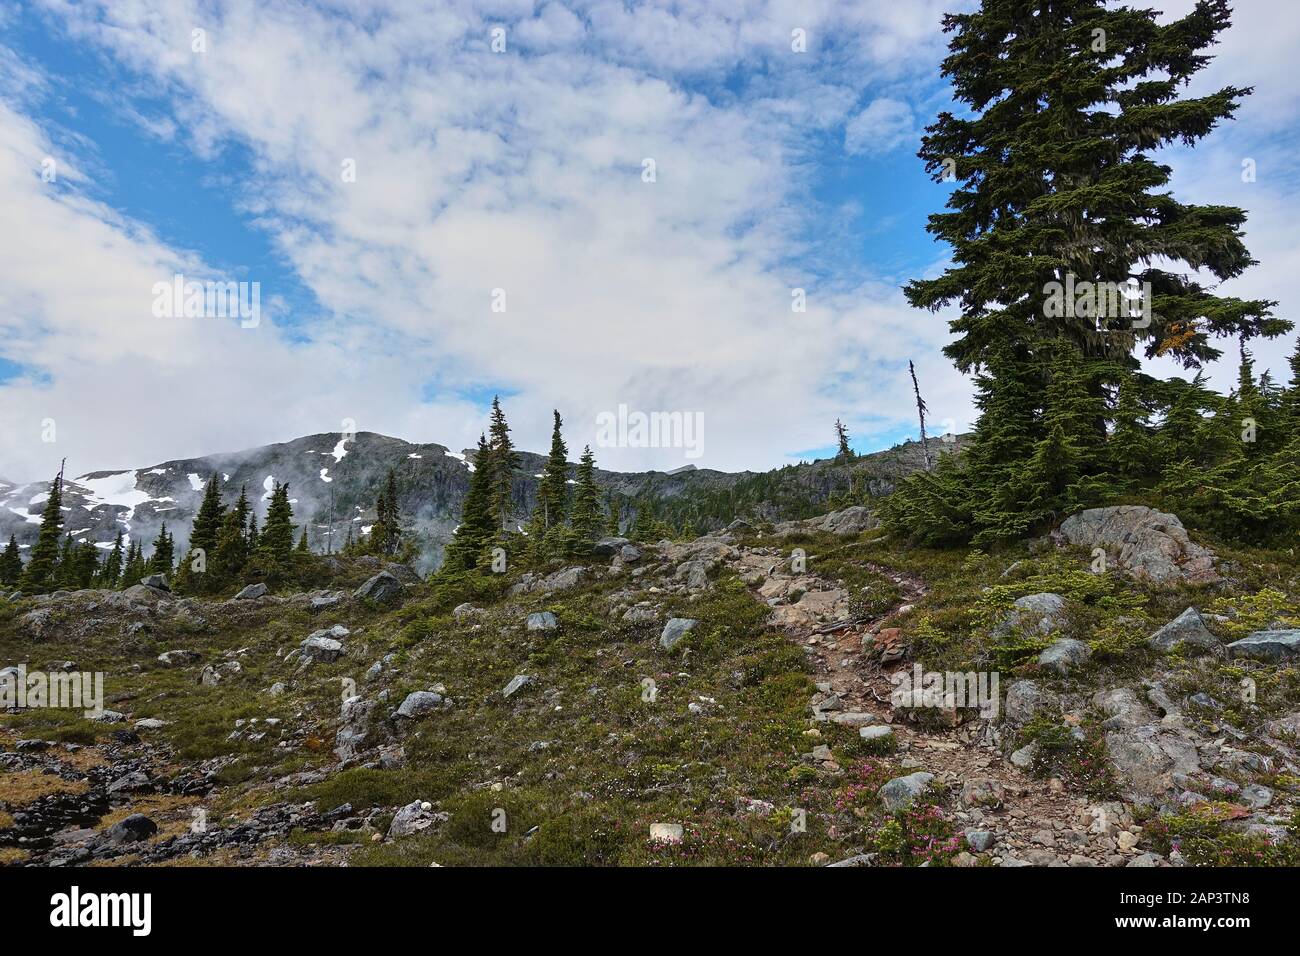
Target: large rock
x: 848, y: 523
x: 1064, y: 656
x: 132, y: 829
x: 676, y: 629
x: 324, y: 646
x: 899, y: 793
x: 357, y: 714
x: 1268, y: 645
x: 1149, y: 761
x: 1187, y: 629
x: 541, y: 621
x: 156, y: 581
x: 1027, y: 699
x: 1042, y: 613
x: 178, y: 658
x: 413, y: 818
x: 562, y: 580
x: 381, y: 589
x: 517, y: 683
x: 1147, y: 543
x: 419, y: 704
x: 606, y: 547
x: 251, y: 593
x: 1122, y: 707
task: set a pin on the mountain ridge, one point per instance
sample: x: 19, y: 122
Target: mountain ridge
x: 333, y: 480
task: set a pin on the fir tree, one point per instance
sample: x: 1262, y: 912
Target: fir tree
x: 501, y: 464
x: 587, y: 518
x: 302, y: 542
x: 615, y: 525
x: 1056, y: 196
x: 11, y: 563
x: 110, y: 575
x: 477, y: 519
x: 207, y: 521
x: 276, y: 540
x: 553, y: 491
x: 163, y: 557
x: 232, y: 549
x: 41, y: 573
x: 842, y: 440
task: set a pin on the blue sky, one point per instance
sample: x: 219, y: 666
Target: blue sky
x: 516, y: 172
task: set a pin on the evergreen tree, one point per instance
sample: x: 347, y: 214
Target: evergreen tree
x: 1057, y: 198
x: 11, y: 563
x: 41, y: 573
x: 136, y: 568
x: 587, y: 518
x: 477, y: 520
x: 85, y: 562
x: 1130, y: 445
x: 254, y: 537
x: 842, y: 439
x: 386, y: 535
x: 232, y: 549
x: 553, y: 491
x: 207, y: 521
x: 110, y: 575
x: 67, y: 571
x: 501, y: 465
x: 164, y: 557
x: 615, y: 525
x: 302, y: 542
x: 276, y: 540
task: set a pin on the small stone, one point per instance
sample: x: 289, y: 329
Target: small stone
x: 676, y: 629
x: 541, y: 621
x: 666, y: 833
x: 517, y: 683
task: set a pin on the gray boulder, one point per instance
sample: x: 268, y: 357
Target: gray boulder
x: 414, y: 818
x: 252, y: 592
x: 899, y: 793
x: 132, y: 829
x: 326, y: 600
x: 517, y: 683
x: 850, y: 522
x: 1268, y: 645
x: 1187, y: 629
x: 420, y: 703
x: 357, y: 714
x: 324, y: 646
x: 178, y: 658
x: 606, y: 547
x: 1042, y: 613
x: 1064, y: 656
x: 676, y: 629
x: 1144, y: 542
x: 1149, y: 761
x: 156, y: 581
x: 1027, y: 699
x: 541, y: 621
x: 381, y: 589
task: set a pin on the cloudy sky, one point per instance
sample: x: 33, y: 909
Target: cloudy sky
x: 228, y: 153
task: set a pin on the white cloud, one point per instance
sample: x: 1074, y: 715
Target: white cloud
x: 478, y: 171
x: 883, y: 126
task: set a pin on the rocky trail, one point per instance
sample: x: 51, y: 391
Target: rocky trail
x: 1014, y: 819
